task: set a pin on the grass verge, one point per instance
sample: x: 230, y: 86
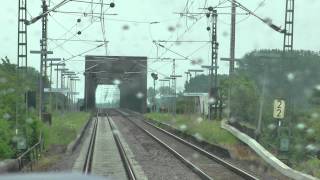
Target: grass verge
x: 209, y: 131
x: 64, y: 128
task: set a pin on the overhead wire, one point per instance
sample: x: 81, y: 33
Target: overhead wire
x: 82, y: 53
x: 255, y: 10
x: 198, y: 49
x: 181, y: 35
x: 82, y: 14
x: 67, y: 39
x: 186, y: 9
x: 65, y: 28
x: 188, y: 29
x: 67, y: 51
x: 103, y: 28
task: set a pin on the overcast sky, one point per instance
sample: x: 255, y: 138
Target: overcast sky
x: 130, y: 34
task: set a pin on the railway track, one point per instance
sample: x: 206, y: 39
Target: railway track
x: 201, y: 162
x: 88, y: 164
x: 89, y: 155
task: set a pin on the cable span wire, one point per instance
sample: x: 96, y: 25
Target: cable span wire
x: 80, y: 54
x: 189, y: 28
x: 67, y: 30
x: 61, y: 44
x: 181, y: 35
x: 79, y: 40
x: 204, y: 45
x: 62, y: 48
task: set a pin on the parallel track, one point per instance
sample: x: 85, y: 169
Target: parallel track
x: 89, y: 155
x: 203, y: 173
x: 123, y: 155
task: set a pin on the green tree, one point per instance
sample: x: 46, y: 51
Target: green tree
x: 165, y: 90
x: 14, y: 82
x: 151, y: 94
x: 291, y: 76
x: 199, y: 83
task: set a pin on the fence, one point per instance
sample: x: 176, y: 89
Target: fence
x: 30, y: 157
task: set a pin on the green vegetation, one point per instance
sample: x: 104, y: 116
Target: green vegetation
x: 294, y: 77
x: 267, y: 75
x: 291, y: 76
x: 17, y: 125
x: 209, y: 131
x: 311, y: 166
x: 244, y: 94
x: 64, y: 128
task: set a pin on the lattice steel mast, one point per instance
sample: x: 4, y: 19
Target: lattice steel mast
x: 289, y: 24
x: 213, y: 71
x: 22, y: 56
x: 43, y: 55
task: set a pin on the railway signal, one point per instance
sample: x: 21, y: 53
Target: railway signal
x: 154, y: 77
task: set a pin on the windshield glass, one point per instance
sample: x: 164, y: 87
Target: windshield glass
x: 88, y: 83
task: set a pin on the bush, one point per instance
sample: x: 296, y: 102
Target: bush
x: 311, y: 167
x: 6, y: 150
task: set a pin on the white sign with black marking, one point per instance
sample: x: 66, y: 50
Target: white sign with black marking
x: 279, y: 106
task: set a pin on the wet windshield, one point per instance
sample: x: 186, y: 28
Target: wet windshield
x: 149, y: 89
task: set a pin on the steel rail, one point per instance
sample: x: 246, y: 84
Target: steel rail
x: 226, y: 164
x: 123, y: 154
x: 219, y: 160
x: 189, y: 164
x: 88, y: 161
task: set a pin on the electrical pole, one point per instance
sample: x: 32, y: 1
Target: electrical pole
x: 174, y: 86
x: 43, y: 57
x: 215, y: 58
x: 232, y: 37
x: 22, y: 58
x: 289, y: 23
x: 22, y: 62
x: 22, y: 54
x: 22, y: 35
x: 232, y: 53
x: 213, y: 70
x: 57, y: 79
x: 284, y: 128
x: 51, y: 77
x: 63, y: 87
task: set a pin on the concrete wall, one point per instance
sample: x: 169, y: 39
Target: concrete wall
x: 266, y: 155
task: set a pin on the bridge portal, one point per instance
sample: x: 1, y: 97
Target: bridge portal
x: 128, y: 72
